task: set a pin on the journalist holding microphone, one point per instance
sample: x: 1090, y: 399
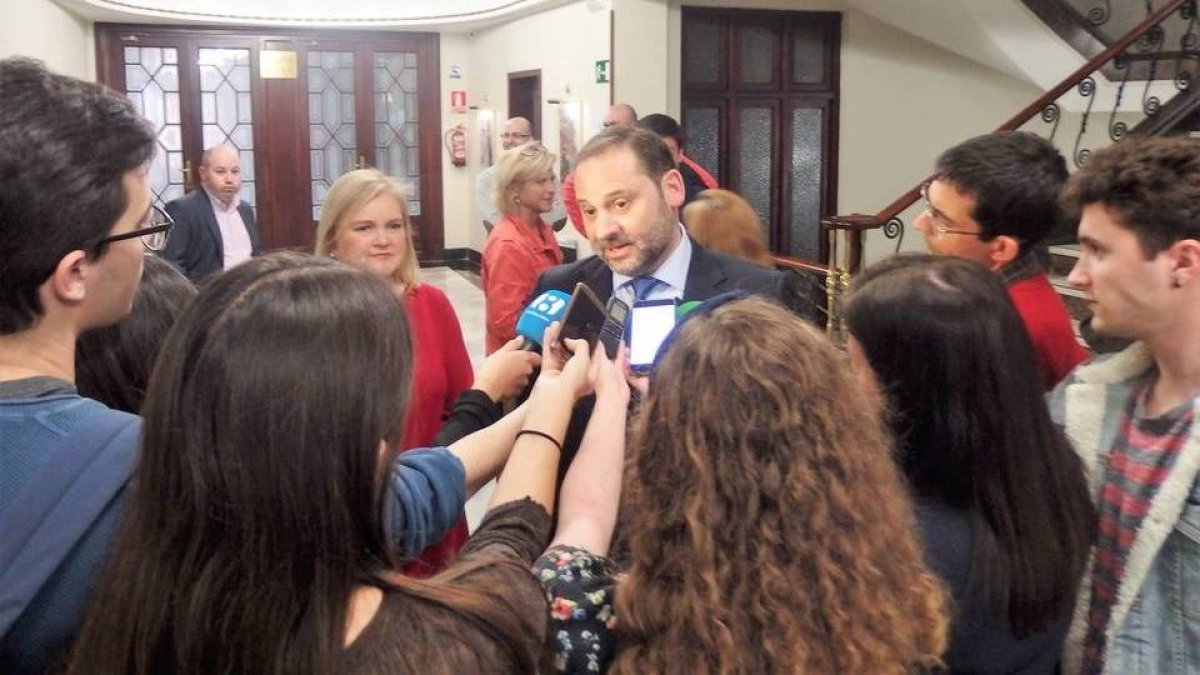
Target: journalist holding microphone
x: 254, y: 543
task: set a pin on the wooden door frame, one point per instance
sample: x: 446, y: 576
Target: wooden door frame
x: 729, y: 96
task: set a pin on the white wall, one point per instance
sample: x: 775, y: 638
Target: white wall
x: 45, y: 31
x: 457, y: 182
x: 564, y: 43
x: 903, y: 101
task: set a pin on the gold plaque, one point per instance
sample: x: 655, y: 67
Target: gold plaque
x: 277, y: 65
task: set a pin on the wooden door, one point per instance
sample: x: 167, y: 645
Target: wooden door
x: 351, y: 100
x: 760, y: 97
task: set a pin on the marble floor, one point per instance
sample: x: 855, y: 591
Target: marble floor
x: 466, y: 294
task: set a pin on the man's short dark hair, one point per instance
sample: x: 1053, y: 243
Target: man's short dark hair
x: 651, y: 152
x: 663, y: 125
x: 1151, y: 184
x: 1015, y: 178
x: 65, y: 147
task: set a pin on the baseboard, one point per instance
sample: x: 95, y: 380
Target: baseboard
x: 463, y: 259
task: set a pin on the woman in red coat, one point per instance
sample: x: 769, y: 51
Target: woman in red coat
x: 365, y: 223
x: 522, y: 245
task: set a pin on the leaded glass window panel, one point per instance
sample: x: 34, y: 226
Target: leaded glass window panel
x: 226, y: 113
x: 331, y: 131
x: 394, y: 75
x: 152, y: 85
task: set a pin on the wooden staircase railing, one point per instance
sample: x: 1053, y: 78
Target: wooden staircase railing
x: 1144, y: 43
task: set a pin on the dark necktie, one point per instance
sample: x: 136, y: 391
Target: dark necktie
x: 642, y: 286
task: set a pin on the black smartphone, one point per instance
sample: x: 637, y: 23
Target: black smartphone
x: 584, y: 317
x: 649, y: 324
x: 613, y: 330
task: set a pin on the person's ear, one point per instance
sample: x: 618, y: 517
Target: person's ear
x: 672, y: 188
x: 1003, y: 250
x: 68, y: 282
x: 1186, y: 262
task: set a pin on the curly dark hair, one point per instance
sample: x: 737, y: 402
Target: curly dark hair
x: 1151, y: 184
x: 768, y: 527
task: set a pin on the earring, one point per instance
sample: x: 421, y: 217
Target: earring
x: 517, y: 200
x: 333, y: 255
x: 1175, y: 283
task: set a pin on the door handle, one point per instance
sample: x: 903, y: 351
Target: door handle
x: 187, y: 175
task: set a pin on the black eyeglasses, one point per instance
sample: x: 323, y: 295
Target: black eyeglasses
x: 152, y: 231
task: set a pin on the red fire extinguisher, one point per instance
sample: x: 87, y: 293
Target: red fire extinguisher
x: 456, y: 145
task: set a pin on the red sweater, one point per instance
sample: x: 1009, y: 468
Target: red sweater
x: 442, y: 370
x: 1049, y: 327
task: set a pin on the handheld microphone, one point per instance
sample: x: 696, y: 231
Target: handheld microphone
x: 544, y: 310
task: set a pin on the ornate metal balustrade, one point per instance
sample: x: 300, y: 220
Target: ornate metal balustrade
x: 1140, y: 84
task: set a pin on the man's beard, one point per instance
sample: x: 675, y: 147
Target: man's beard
x: 648, y: 252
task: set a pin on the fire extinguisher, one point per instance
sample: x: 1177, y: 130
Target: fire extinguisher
x: 456, y: 145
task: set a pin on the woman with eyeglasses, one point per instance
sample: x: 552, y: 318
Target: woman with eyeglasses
x: 253, y: 541
x: 765, y: 522
x: 365, y: 224
x: 1003, y: 506
x: 522, y: 245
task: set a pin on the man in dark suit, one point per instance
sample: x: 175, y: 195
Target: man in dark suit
x: 214, y: 229
x: 629, y: 193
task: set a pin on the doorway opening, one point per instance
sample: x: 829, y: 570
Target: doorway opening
x: 525, y: 98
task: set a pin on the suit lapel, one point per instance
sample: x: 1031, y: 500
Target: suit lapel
x: 705, y: 276
x: 599, y: 279
x: 247, y: 213
x: 210, y: 219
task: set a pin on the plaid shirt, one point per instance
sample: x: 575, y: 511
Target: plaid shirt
x: 1140, y: 461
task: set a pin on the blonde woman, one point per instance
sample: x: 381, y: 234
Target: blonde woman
x: 521, y: 245
x: 365, y: 224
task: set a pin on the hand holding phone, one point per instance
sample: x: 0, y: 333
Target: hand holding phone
x: 584, y: 317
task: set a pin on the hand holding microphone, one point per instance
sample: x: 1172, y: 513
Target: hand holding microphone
x: 505, y: 372
x: 544, y: 310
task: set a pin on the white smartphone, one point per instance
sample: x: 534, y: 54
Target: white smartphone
x: 649, y: 324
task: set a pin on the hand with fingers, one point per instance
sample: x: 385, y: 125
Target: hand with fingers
x: 505, y: 373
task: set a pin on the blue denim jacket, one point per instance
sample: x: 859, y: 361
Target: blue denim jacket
x: 1155, y: 624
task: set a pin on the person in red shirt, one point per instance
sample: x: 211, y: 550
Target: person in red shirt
x: 994, y: 199
x: 364, y: 223
x: 521, y: 245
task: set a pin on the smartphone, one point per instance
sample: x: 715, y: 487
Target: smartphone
x: 613, y: 330
x: 649, y: 324
x: 584, y: 317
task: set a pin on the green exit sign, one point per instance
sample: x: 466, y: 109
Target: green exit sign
x: 602, y: 71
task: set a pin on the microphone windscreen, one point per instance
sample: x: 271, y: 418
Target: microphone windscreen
x: 544, y: 310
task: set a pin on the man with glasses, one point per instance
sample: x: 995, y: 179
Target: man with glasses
x: 517, y: 131
x: 216, y: 228
x: 994, y: 199
x: 75, y: 221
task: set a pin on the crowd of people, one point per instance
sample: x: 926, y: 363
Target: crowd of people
x: 267, y: 472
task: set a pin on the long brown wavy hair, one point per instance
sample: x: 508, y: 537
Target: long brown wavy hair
x: 769, y: 529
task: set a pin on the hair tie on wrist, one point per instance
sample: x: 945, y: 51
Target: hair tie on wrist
x: 542, y: 434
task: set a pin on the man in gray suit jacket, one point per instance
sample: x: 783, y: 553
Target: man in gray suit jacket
x: 628, y: 190
x: 214, y: 229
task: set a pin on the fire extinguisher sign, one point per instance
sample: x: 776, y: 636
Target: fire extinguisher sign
x: 458, y: 100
